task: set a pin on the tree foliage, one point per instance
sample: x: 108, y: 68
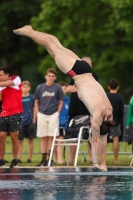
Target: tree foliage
x: 102, y: 29
x: 17, y: 53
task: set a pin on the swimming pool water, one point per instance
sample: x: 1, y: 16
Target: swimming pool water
x: 66, y: 184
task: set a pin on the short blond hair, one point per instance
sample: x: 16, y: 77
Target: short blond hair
x: 26, y: 83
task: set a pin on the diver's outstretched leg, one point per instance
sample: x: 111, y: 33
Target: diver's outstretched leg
x: 64, y: 58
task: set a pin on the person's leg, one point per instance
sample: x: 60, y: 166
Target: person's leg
x: 72, y: 154
x: 2, y: 144
x: 21, y: 137
x: 29, y: 134
x: 42, y: 130
x: 15, y: 143
x: 53, y: 123
x: 89, y: 152
x: 116, y: 148
x: 55, y: 153
x: 44, y: 143
x: 59, y: 45
x: 63, y: 57
x: 103, y: 146
x: 20, y: 150
x: 60, y: 152
x: 96, y: 122
x: 30, y: 151
x: 50, y: 141
x: 13, y: 123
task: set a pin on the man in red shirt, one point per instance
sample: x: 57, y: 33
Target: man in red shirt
x: 10, y: 116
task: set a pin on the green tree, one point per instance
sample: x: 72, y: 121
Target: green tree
x: 101, y: 29
x: 19, y: 53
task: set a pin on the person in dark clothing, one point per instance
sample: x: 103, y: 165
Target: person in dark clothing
x: 27, y: 127
x: 117, y: 103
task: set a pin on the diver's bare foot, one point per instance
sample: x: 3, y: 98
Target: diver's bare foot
x: 103, y: 168
x: 96, y: 166
x: 23, y: 31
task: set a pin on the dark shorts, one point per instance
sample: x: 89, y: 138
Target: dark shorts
x: 80, y: 67
x: 106, y: 127
x: 115, y: 131
x: 10, y: 123
x: 28, y: 131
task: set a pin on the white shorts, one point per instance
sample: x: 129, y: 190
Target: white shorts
x: 46, y: 124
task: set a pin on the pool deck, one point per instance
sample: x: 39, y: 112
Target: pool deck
x: 56, y: 167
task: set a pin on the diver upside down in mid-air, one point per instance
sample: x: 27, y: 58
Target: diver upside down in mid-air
x: 89, y: 90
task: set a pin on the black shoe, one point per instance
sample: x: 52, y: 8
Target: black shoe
x: 14, y: 163
x: 29, y: 161
x: 19, y: 161
x: 2, y: 163
x: 6, y: 161
x: 42, y: 163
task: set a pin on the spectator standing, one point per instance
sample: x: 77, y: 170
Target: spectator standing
x: 27, y: 128
x: 63, y: 123
x: 49, y: 99
x: 10, y: 116
x: 117, y: 103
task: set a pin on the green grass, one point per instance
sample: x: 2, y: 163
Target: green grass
x: 124, y: 158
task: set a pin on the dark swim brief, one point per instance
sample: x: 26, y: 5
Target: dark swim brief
x: 80, y: 67
x: 105, y: 127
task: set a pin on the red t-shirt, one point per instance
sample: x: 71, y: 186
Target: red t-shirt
x: 12, y: 98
